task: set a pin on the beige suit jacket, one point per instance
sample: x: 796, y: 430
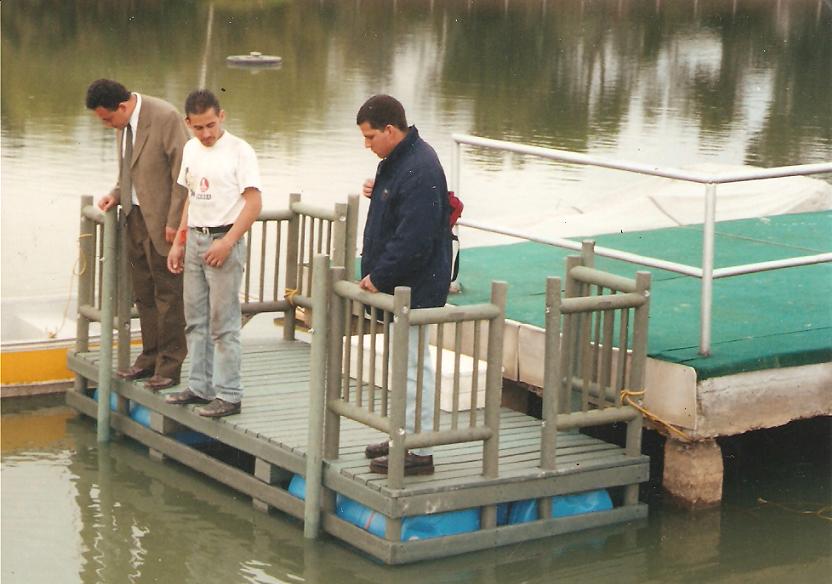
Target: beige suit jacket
x: 157, y: 154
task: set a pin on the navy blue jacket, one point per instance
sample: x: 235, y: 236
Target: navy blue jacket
x: 407, y: 239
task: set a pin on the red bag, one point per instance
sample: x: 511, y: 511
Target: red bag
x: 456, y: 207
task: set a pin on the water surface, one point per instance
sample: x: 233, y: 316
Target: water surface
x: 74, y: 511
x: 663, y: 82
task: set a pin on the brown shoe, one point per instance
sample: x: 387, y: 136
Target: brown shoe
x: 218, y: 408
x: 133, y: 373
x: 186, y: 397
x: 157, y: 382
x: 414, y: 464
x: 376, y: 450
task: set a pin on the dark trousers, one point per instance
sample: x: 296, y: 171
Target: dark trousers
x: 158, y: 297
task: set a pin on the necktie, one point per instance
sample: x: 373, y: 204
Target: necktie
x: 126, y: 179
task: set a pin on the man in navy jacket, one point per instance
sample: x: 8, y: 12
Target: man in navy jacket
x: 407, y: 242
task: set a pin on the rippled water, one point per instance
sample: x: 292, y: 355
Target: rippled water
x: 665, y: 82
x: 77, y: 512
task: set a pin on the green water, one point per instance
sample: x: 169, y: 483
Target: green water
x: 668, y: 83
x: 76, y: 512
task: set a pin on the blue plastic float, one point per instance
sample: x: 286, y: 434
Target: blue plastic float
x: 562, y: 506
x: 141, y: 415
x: 454, y: 522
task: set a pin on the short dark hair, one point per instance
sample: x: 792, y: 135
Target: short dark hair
x: 106, y: 93
x: 382, y: 110
x: 200, y: 101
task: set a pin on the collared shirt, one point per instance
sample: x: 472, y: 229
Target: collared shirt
x: 134, y: 124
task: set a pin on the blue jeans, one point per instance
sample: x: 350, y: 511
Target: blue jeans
x: 212, y: 319
x: 428, y: 388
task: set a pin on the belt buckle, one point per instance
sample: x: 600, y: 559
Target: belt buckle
x: 205, y: 230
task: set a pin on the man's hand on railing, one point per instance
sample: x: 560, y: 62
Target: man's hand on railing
x: 367, y: 284
x: 106, y: 202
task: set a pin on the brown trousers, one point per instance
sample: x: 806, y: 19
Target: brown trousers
x: 158, y: 297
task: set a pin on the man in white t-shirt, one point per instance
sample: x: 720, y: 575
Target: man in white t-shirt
x: 221, y: 174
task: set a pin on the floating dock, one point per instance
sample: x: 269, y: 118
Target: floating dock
x: 310, y: 408
x: 272, y: 428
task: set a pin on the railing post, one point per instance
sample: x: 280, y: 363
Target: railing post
x: 105, y: 366
x: 570, y: 342
x: 317, y: 395
x: 551, y: 387
x: 551, y: 375
x: 124, y: 303
x: 637, y: 371
x: 708, y: 246
x: 493, y: 397
x: 332, y: 421
x: 292, y: 276
x: 351, y: 239
x: 86, y: 283
x: 401, y: 338
x: 339, y: 236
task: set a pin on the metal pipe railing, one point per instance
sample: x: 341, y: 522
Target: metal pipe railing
x: 706, y: 273
x: 606, y: 252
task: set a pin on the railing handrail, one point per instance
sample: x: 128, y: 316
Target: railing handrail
x: 606, y: 252
x: 641, y: 168
x: 706, y: 273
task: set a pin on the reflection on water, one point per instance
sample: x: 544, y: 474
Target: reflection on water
x: 77, y: 512
x: 669, y: 82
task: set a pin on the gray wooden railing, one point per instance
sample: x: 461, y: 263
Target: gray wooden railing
x: 382, y: 322
x: 585, y: 379
x: 279, y: 282
x: 278, y: 275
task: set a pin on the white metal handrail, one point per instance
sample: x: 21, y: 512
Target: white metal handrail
x: 706, y: 273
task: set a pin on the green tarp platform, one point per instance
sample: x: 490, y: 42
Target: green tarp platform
x: 768, y: 320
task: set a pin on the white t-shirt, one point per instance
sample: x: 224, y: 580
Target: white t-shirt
x: 216, y: 177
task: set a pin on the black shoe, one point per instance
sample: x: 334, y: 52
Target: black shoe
x: 186, y: 397
x: 376, y: 450
x: 414, y: 464
x: 218, y: 408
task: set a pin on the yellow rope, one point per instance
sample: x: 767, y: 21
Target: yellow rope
x: 626, y: 398
x: 79, y: 268
x: 823, y: 512
x: 289, y: 294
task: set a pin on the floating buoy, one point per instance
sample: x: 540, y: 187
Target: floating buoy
x: 254, y: 59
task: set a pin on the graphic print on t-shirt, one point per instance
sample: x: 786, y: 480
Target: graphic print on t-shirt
x: 202, y: 194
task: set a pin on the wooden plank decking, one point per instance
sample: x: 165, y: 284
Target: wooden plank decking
x: 272, y: 427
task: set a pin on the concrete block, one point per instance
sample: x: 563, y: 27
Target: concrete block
x: 693, y: 472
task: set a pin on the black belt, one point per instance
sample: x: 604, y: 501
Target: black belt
x: 213, y: 230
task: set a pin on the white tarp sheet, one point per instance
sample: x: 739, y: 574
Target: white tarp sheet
x: 654, y: 203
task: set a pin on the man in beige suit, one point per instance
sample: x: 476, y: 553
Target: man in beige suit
x: 150, y: 135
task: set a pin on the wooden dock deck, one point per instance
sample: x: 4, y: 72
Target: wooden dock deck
x: 272, y: 428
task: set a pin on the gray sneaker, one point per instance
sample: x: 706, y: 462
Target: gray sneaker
x: 218, y: 408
